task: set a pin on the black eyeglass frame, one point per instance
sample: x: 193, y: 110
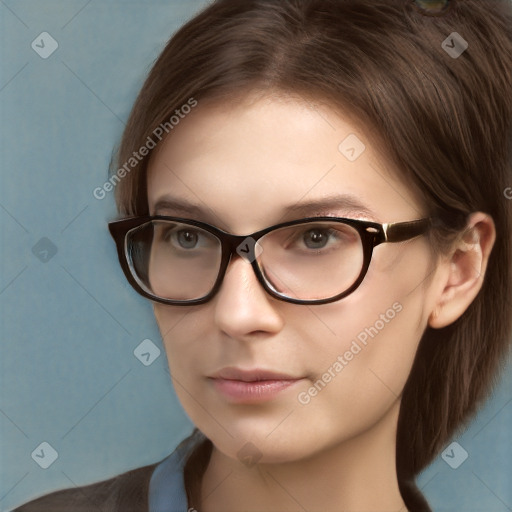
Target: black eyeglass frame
x: 372, y: 234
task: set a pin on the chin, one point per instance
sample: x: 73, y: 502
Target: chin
x: 259, y: 441
x: 259, y: 452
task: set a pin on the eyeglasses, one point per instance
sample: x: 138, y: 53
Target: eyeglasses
x: 315, y: 260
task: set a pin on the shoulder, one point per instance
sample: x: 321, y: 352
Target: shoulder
x: 132, y: 491
x: 127, y: 492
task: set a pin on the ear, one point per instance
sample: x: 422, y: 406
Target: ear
x: 465, y: 272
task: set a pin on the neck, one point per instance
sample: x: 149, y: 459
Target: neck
x: 358, y: 474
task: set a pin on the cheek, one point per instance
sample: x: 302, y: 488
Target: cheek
x: 360, y: 350
x: 386, y: 311
x: 357, y: 382
x: 180, y: 338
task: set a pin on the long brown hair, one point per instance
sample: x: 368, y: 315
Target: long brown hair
x: 443, y: 120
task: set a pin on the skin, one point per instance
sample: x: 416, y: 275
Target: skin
x: 243, y: 163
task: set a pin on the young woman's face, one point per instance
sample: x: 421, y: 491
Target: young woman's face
x: 342, y: 366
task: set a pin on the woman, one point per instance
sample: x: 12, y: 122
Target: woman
x: 312, y: 196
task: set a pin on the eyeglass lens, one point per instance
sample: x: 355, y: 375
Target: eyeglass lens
x: 309, y: 261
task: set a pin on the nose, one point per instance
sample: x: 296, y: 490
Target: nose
x: 242, y: 306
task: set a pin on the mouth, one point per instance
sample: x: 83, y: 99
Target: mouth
x: 251, y: 386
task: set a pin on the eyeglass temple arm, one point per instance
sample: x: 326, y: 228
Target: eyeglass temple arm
x: 402, y: 231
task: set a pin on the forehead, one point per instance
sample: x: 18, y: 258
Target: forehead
x: 243, y: 163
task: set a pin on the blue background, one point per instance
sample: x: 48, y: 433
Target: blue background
x: 70, y: 325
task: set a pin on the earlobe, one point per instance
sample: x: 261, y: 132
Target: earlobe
x: 465, y: 271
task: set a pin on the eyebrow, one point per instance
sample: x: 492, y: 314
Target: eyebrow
x: 346, y: 203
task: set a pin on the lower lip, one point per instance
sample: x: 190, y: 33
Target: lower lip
x: 251, y: 392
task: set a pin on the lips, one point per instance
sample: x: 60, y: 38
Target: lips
x: 251, y: 386
x: 255, y: 375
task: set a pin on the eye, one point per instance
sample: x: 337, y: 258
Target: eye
x: 182, y: 237
x: 187, y: 238
x: 316, y: 238
x: 319, y: 239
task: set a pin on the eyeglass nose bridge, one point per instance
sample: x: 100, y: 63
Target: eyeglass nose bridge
x: 247, y: 248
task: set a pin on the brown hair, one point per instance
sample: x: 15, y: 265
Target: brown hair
x: 444, y: 123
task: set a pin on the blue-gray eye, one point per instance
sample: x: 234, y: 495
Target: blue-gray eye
x: 432, y: 7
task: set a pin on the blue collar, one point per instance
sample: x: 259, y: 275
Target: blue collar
x: 167, y: 487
